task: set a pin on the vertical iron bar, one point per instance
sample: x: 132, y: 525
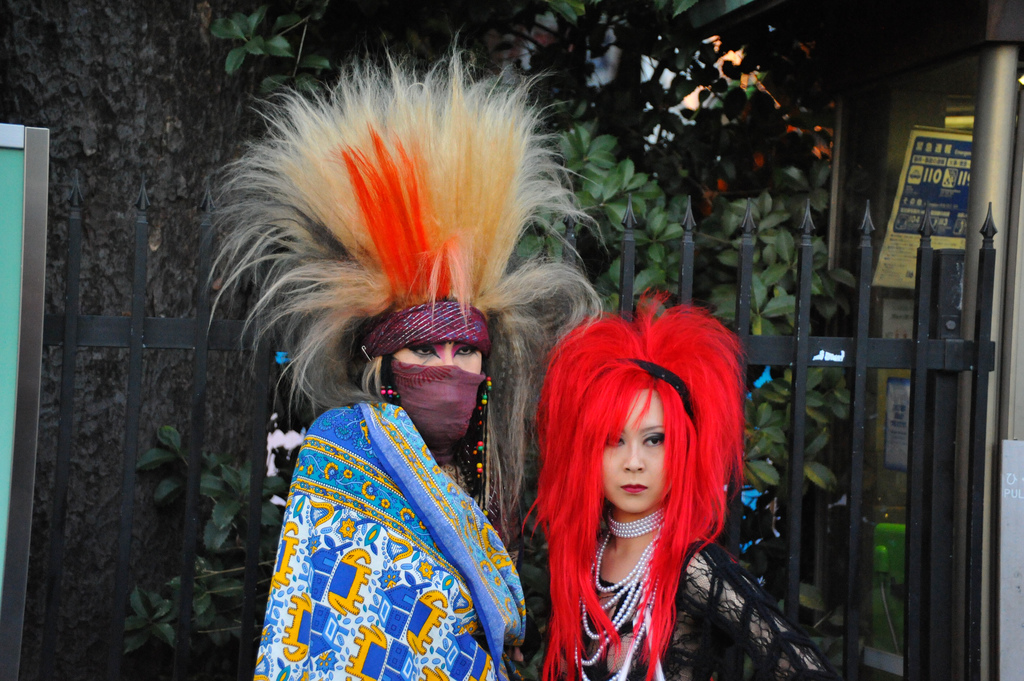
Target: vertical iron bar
x: 801, y: 355
x: 916, y: 461
x: 746, y: 274
x: 627, y: 268
x: 131, y: 438
x: 851, y: 619
x: 569, y: 255
x: 55, y: 562
x: 983, y: 364
x: 938, y: 499
x: 257, y: 469
x: 686, y: 256
x: 197, y: 429
x: 732, y: 666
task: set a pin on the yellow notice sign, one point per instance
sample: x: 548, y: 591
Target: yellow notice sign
x: 937, y: 175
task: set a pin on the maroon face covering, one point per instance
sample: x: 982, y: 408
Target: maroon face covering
x: 440, y: 402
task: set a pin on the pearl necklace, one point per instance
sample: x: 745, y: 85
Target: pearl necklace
x: 636, y: 528
x: 625, y: 594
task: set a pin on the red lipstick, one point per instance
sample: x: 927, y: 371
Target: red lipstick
x: 634, y: 489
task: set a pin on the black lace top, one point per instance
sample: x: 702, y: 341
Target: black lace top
x: 718, y: 604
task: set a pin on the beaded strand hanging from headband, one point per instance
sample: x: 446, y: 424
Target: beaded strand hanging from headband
x: 478, y: 454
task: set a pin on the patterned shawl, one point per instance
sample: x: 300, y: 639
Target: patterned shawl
x: 386, y: 570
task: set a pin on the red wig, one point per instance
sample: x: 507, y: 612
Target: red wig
x: 587, y: 395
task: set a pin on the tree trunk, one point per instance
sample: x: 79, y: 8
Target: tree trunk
x: 128, y: 90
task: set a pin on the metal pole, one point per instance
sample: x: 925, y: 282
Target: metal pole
x: 991, y: 165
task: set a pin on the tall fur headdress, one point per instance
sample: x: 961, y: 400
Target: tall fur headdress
x: 393, y: 191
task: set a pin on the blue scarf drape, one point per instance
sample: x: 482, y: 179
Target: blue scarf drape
x: 386, y: 570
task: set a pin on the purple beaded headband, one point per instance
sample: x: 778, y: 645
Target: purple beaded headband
x: 440, y: 322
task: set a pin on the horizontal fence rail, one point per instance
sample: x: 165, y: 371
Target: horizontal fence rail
x: 926, y: 354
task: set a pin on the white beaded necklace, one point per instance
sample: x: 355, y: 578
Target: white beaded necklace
x: 627, y: 592
x: 636, y: 528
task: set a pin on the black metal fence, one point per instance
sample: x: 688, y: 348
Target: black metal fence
x: 935, y: 356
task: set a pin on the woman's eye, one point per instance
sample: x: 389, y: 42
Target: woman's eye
x: 465, y: 350
x: 423, y: 350
x: 655, y: 440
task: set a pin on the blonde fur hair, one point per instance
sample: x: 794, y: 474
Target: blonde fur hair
x: 393, y: 190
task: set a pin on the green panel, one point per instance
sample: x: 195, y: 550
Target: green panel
x: 12, y: 196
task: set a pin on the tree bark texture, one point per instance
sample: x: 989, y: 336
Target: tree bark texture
x: 128, y: 90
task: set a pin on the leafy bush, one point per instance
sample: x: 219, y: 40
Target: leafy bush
x: 220, y: 558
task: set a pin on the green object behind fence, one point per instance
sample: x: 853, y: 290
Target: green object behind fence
x: 12, y: 186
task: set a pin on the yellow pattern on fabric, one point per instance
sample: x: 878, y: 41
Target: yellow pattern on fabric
x: 360, y: 506
x: 294, y: 649
x: 370, y: 636
x: 419, y: 640
x: 289, y: 538
x: 359, y: 559
x: 332, y: 450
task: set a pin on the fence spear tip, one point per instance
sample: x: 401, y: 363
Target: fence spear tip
x: 143, y: 201
x: 75, y: 195
x: 866, y: 225
x: 688, y: 222
x: 748, y: 219
x: 926, y: 222
x: 988, y: 229
x: 629, y: 219
x: 207, y: 202
x: 807, y: 225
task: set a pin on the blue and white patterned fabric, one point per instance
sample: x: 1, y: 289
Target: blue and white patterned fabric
x: 387, y: 570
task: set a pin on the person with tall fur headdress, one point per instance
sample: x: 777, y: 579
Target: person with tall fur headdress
x: 381, y: 221
x: 656, y: 407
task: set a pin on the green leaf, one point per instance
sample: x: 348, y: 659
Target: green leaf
x: 135, y: 599
x: 210, y: 485
x: 773, y: 273
x: 224, y: 513
x: 817, y: 444
x: 650, y: 277
x: 842, y: 276
x: 791, y: 178
x: 785, y: 246
x: 780, y: 306
x: 569, y: 9
x: 819, y: 173
x: 764, y: 471
x: 810, y: 597
x: 270, y: 515
x: 234, y: 59
x: 154, y: 458
x: 214, y: 537
x: 256, y: 46
x: 167, y: 491
x: 163, y: 608
x: 271, y: 83
x: 278, y: 46
x: 760, y: 291
x: 164, y: 632
x: 285, y: 21
x: 135, y: 640
x: 820, y: 475
x: 730, y: 258
x: 169, y: 436
x: 135, y: 622
x: 315, y: 62
x: 656, y: 254
x: 256, y: 18
x: 226, y: 29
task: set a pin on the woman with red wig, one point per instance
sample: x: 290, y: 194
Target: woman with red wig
x: 641, y: 434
